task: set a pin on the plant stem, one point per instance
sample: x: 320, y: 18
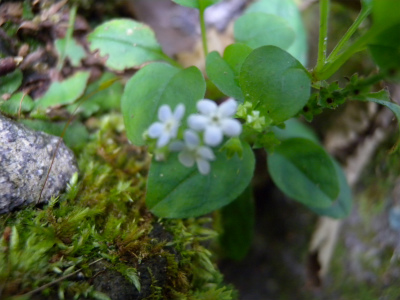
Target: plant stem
x: 323, y: 33
x: 170, y: 60
x: 332, y: 66
x: 365, y: 11
x: 68, y: 35
x: 203, y: 28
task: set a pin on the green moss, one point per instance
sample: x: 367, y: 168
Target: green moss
x: 101, y: 225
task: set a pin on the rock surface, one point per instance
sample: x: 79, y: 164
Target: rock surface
x: 25, y: 159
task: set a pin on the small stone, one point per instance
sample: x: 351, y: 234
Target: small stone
x: 25, y: 159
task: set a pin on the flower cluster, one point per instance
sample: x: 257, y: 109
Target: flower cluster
x: 206, y: 129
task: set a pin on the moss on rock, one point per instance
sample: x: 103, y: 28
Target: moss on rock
x: 99, y: 241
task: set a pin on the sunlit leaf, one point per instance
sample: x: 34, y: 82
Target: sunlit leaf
x: 126, y: 43
x: 154, y: 85
x: 175, y: 191
x: 275, y: 82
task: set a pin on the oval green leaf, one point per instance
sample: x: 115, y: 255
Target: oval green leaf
x: 304, y: 172
x: 154, y: 85
x: 64, y: 92
x: 224, y: 72
x: 260, y: 29
x: 288, y: 10
x: 127, y: 44
x: 175, y: 191
x: 275, y: 82
x: 341, y: 207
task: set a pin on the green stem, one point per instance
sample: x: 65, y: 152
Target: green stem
x: 68, y: 35
x: 332, y: 66
x: 365, y: 11
x: 170, y: 60
x: 203, y: 28
x: 323, y: 33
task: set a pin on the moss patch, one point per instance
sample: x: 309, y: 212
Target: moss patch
x: 99, y: 241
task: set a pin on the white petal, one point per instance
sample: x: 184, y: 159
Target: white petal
x: 231, y: 127
x: 191, y: 139
x: 186, y: 158
x: 206, y: 106
x: 174, y: 130
x: 163, y: 140
x: 179, y: 112
x: 156, y: 129
x: 164, y: 113
x: 206, y: 152
x: 203, y: 166
x: 228, y: 108
x: 213, y: 136
x: 176, y: 146
x: 197, y: 122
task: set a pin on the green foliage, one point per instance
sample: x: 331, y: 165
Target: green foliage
x: 76, y: 135
x: 305, y: 172
x: 385, y: 50
x: 238, y: 226
x: 64, y: 92
x: 170, y: 183
x: 127, y: 43
x: 19, y: 102
x: 199, y: 4
x: 342, y: 205
x: 275, y: 82
x: 100, y: 96
x: 153, y: 86
x: 102, y: 217
x: 259, y: 29
x: 10, y: 83
x: 70, y: 49
x: 286, y: 9
x: 224, y: 71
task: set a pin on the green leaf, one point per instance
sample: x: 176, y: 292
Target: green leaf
x: 288, y: 10
x: 127, y: 43
x: 224, y: 72
x: 260, y: 29
x: 175, y: 191
x: 295, y: 128
x: 75, y: 137
x: 341, y: 207
x: 64, y: 92
x: 304, y: 172
x: 10, y: 83
x: 385, y: 13
x: 385, y: 50
x: 155, y: 85
x: 71, y: 49
x: 196, y: 3
x: 238, y: 225
x: 382, y: 97
x: 17, y: 102
x: 100, y: 96
x: 275, y: 82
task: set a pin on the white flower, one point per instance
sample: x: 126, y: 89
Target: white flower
x: 168, y: 127
x: 215, y: 121
x: 192, y: 151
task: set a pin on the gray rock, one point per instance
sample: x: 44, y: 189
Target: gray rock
x: 25, y: 158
